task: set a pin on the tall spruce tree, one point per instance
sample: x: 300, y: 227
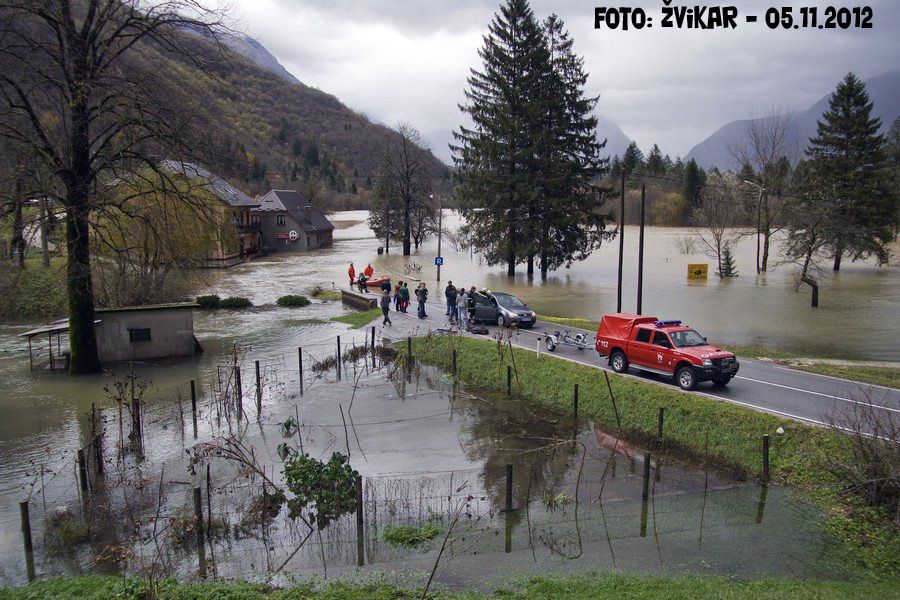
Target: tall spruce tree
x: 694, y: 178
x: 494, y: 155
x: 632, y: 160
x: 571, y: 220
x: 655, y: 162
x: 849, y: 154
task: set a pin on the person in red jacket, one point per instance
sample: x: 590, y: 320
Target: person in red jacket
x: 369, y: 271
x: 352, y: 273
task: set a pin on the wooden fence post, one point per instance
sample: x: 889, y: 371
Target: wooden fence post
x: 194, y: 405
x: 509, y: 487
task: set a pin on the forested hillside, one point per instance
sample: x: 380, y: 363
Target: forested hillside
x: 266, y: 132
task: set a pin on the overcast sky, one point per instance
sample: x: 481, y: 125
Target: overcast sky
x: 407, y: 60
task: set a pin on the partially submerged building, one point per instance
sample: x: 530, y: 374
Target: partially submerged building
x: 289, y: 221
x: 239, y: 236
x: 130, y: 333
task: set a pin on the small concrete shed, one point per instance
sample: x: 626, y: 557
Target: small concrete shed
x: 129, y: 333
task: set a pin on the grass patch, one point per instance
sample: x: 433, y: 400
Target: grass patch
x: 575, y: 322
x: 876, y: 375
x: 292, y: 301
x: 730, y: 433
x: 409, y: 536
x: 34, y: 292
x: 358, y: 319
x: 753, y: 351
x: 325, y: 295
x: 538, y: 587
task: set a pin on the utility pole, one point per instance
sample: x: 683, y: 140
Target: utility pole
x: 621, y: 243
x: 762, y: 191
x: 640, y: 282
x: 387, y: 228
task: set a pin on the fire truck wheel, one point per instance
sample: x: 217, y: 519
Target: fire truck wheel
x: 686, y: 378
x: 618, y: 361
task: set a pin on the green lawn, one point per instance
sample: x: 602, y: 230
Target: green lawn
x: 326, y: 295
x: 358, y: 319
x: 876, y: 375
x: 731, y: 434
x: 578, y: 587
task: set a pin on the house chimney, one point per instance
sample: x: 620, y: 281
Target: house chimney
x: 308, y: 214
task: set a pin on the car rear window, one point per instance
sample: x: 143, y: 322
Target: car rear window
x: 643, y: 335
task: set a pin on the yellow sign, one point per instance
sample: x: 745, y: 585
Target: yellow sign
x: 699, y: 271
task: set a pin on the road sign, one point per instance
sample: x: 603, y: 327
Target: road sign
x: 438, y: 261
x: 698, y: 271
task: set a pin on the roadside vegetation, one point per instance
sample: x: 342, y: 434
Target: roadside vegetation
x: 575, y: 322
x: 410, y: 536
x: 325, y: 295
x: 213, y: 301
x: 358, y: 319
x: 293, y: 301
x: 698, y: 428
x: 885, y: 376
x: 576, y: 587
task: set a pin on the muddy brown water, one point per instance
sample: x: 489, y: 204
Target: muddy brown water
x: 465, y: 438
x: 425, y: 448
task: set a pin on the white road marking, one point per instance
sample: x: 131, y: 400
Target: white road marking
x: 853, y: 381
x: 841, y: 398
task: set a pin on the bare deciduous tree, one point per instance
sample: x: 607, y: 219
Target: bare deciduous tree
x: 717, y: 217
x: 73, y: 95
x: 766, y: 153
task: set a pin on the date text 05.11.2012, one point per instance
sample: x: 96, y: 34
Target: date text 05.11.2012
x: 728, y: 17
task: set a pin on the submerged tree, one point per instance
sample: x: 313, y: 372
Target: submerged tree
x: 71, y: 94
x: 716, y: 218
x: 527, y: 166
x: 402, y: 187
x: 848, y: 155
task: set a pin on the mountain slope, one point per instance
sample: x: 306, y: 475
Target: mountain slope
x: 884, y: 91
x: 258, y: 54
x: 262, y: 129
x: 616, y: 140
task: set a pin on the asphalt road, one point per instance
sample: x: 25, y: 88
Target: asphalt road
x: 761, y: 385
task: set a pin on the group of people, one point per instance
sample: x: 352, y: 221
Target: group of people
x: 460, y: 302
x: 401, y: 298
x: 363, y: 277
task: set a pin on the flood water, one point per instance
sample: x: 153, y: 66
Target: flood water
x: 427, y: 449
x: 417, y: 443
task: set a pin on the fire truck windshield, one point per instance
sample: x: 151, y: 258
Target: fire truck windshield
x: 687, y: 338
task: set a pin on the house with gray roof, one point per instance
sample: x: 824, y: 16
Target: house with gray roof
x: 288, y: 221
x: 239, y: 228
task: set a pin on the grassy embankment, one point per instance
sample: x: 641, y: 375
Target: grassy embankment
x: 579, y: 587
x: 730, y: 433
x: 358, y: 319
x: 34, y: 292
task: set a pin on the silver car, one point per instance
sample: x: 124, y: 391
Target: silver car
x: 503, y: 309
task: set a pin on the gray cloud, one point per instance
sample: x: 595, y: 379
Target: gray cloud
x: 407, y: 60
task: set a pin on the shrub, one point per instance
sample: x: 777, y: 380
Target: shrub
x: 293, y: 301
x: 328, y: 488
x: 210, y: 301
x: 235, y: 302
x: 409, y: 536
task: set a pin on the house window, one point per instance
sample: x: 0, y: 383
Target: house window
x: 279, y: 219
x: 139, y: 334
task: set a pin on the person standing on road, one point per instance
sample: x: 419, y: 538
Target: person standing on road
x: 404, y: 297
x: 397, y: 296
x: 352, y: 273
x: 386, y: 306
x: 462, y: 308
x: 450, y: 295
x: 386, y: 286
x: 470, y: 304
x: 422, y: 296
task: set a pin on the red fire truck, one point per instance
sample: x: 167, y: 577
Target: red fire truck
x: 663, y: 347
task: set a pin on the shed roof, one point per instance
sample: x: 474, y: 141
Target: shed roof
x: 63, y: 324
x: 298, y: 207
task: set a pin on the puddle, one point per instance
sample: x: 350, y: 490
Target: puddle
x: 427, y: 450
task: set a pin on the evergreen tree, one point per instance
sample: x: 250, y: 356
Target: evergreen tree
x: 848, y: 154
x: 728, y: 268
x: 571, y: 223
x: 633, y: 160
x: 677, y: 170
x: 655, y: 162
x: 615, y: 168
x: 694, y: 178
x: 494, y: 155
